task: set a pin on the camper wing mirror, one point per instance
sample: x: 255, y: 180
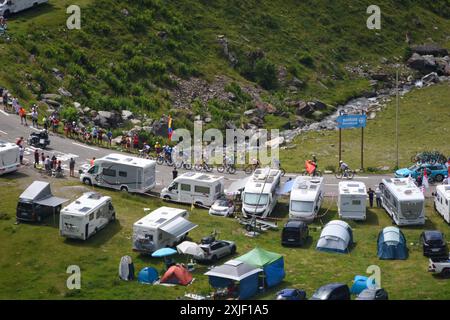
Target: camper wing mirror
x: 80, y: 171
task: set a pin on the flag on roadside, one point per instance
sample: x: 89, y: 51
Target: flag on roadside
x: 169, y: 130
x: 425, y: 179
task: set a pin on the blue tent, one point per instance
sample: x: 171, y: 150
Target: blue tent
x: 148, y: 275
x: 392, y: 244
x: 359, y: 284
x: 272, y: 263
x: 232, y: 272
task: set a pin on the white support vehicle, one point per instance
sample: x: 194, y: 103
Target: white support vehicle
x: 86, y: 216
x: 121, y: 172
x: 352, y: 200
x: 9, y: 157
x: 306, y: 198
x: 163, y: 227
x: 260, y: 194
x: 195, y: 187
x: 442, y: 201
x: 7, y: 7
x: 403, y: 201
x: 440, y: 267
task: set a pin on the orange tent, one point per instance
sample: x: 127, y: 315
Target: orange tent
x: 177, y: 275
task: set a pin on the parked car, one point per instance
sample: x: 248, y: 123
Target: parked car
x: 373, y: 294
x: 216, y: 249
x: 295, y: 233
x: 291, y: 294
x: 222, y: 207
x: 434, y: 244
x: 435, y: 171
x: 440, y: 266
x: 332, y: 291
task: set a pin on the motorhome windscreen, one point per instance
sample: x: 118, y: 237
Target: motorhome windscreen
x: 411, y: 210
x: 254, y: 199
x: 302, y: 206
x: 25, y: 207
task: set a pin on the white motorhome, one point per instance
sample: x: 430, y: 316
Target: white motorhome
x: 260, y: 193
x: 403, y: 201
x: 163, y: 227
x: 442, y: 201
x: 9, y: 157
x: 195, y: 187
x: 352, y: 200
x: 7, y: 7
x: 121, y: 172
x: 306, y: 198
x: 86, y: 216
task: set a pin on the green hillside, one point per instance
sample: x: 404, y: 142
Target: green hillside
x: 128, y: 53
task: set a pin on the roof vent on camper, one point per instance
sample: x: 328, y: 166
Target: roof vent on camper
x: 160, y: 220
x: 85, y: 209
x: 408, y: 191
x: 315, y: 181
x: 204, y: 177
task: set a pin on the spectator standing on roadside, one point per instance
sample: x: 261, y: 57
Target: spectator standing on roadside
x: 92, y: 161
x: 15, y: 104
x: 72, y: 167
x: 109, y: 135
x: 136, y: 141
x: 21, y: 151
x: 378, y: 196
x: 47, y: 164
x: 23, y: 116
x: 36, y: 158
x: 54, y: 161
x: 371, y: 193
x: 34, y: 118
x: 100, y: 136
x: 42, y: 157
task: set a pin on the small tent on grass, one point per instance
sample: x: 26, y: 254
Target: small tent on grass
x: 148, y: 275
x: 360, y: 283
x: 336, y: 236
x: 232, y: 271
x: 177, y: 274
x: 392, y: 244
x: 272, y: 263
x: 126, y: 268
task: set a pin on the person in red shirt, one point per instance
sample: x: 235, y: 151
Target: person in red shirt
x: 23, y: 116
x: 136, y: 141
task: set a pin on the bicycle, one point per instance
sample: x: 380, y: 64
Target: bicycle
x: 251, y: 167
x: 203, y: 166
x: 164, y: 160
x: 347, y: 173
x: 230, y: 168
x: 183, y: 164
x: 317, y: 173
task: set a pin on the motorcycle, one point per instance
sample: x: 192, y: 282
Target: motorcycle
x: 39, y: 140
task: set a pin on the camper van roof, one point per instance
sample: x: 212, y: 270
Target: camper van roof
x: 404, y: 189
x: 352, y: 187
x: 85, y: 204
x: 305, y: 188
x: 5, y: 145
x: 198, y: 176
x: 262, y: 177
x: 126, y: 159
x: 159, y: 217
x: 444, y: 190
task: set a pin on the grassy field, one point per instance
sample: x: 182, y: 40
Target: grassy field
x: 34, y: 257
x: 424, y: 125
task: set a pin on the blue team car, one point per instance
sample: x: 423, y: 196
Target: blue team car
x: 435, y: 171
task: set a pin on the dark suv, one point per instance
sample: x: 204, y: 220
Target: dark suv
x: 434, y: 244
x: 295, y: 233
x: 332, y: 291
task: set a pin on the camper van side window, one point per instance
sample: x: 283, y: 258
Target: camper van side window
x: 109, y: 172
x: 185, y: 187
x: 122, y: 174
x: 356, y: 202
x: 91, y: 216
x: 200, y: 189
x: 160, y: 236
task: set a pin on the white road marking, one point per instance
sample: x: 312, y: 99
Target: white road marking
x: 331, y: 184
x: 5, y: 113
x: 82, y: 145
x: 3, y: 132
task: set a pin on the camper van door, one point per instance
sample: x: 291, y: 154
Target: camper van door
x: 185, y: 192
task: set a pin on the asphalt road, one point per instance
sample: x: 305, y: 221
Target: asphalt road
x: 64, y: 149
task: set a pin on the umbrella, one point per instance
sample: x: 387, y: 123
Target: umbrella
x: 164, y: 252
x: 190, y: 248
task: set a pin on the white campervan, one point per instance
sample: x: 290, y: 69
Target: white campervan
x: 9, y: 157
x: 163, y: 227
x: 13, y: 6
x: 121, y: 172
x: 86, y: 216
x: 306, y: 198
x: 260, y: 193
x: 352, y: 200
x: 403, y: 201
x: 442, y: 201
x: 195, y: 187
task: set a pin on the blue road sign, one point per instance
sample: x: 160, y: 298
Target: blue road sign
x: 352, y: 121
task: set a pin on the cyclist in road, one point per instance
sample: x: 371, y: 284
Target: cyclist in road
x: 314, y: 163
x: 157, y: 148
x: 146, y: 148
x: 343, y: 166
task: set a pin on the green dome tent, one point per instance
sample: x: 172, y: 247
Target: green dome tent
x: 272, y: 263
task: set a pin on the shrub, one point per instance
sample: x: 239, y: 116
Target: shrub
x: 69, y: 113
x: 266, y: 74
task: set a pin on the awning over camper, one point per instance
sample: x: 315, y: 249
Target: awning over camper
x: 237, y: 186
x: 51, y: 201
x: 178, y: 227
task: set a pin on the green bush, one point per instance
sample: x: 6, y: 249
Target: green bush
x: 69, y: 114
x: 266, y: 74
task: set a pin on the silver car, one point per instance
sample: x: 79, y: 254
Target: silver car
x: 217, y: 249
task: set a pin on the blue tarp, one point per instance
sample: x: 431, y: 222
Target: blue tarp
x: 392, y: 244
x: 248, y: 287
x: 148, y: 275
x: 287, y: 187
x: 274, y: 272
x: 359, y: 284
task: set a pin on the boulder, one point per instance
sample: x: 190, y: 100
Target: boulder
x: 208, y: 120
x: 116, y: 140
x: 380, y: 77
x: 127, y: 115
x: 160, y: 127
x: 424, y: 64
x: 64, y: 92
x: 303, y: 108
x: 257, y: 121
x: 77, y: 105
x: 430, y: 49
x: 51, y: 96
x: 135, y: 121
x: 51, y: 102
x: 250, y: 112
x: 230, y: 125
x: 297, y: 82
x: 317, y: 105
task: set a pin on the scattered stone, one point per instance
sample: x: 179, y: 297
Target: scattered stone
x: 430, y: 49
x: 64, y: 92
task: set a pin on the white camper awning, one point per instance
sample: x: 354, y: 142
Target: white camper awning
x: 178, y: 227
x: 51, y: 202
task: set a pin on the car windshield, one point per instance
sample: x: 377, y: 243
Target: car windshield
x: 254, y: 199
x: 413, y: 168
x: 25, y: 206
x: 302, y: 206
x: 221, y: 203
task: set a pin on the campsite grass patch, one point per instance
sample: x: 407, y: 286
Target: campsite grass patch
x: 35, y: 258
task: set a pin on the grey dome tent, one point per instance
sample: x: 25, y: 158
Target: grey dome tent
x: 336, y: 236
x: 392, y: 244
x: 126, y: 268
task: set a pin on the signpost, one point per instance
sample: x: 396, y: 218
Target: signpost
x: 349, y: 121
